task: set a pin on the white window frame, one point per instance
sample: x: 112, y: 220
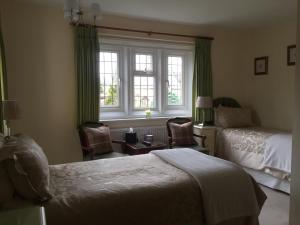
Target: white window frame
x: 185, y: 71
x: 120, y: 57
x: 134, y: 73
x: 127, y: 49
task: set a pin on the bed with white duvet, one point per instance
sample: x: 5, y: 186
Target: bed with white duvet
x: 263, y: 152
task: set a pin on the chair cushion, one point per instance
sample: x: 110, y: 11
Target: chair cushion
x: 182, y: 134
x: 29, y: 169
x: 99, y: 139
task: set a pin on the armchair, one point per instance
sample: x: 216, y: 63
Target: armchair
x: 96, y: 142
x: 175, y: 126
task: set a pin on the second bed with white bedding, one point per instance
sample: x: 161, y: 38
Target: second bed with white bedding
x: 258, y: 149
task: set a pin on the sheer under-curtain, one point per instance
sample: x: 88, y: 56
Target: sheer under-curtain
x: 87, y: 72
x: 202, y: 79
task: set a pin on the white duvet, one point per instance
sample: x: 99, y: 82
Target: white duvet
x: 278, y: 152
x: 228, y: 191
x: 257, y: 148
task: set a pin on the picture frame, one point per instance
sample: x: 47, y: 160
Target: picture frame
x: 291, y: 55
x: 261, y: 65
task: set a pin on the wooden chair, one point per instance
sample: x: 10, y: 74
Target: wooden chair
x: 195, y: 145
x: 88, y: 151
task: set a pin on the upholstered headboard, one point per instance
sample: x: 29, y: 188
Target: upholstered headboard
x: 226, y: 102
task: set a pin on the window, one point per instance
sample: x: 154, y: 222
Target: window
x: 143, y: 63
x: 136, y: 76
x: 144, y: 92
x: 175, y: 85
x: 109, y: 79
x: 143, y: 82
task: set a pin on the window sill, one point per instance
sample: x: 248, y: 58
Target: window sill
x: 137, y: 122
x: 134, y: 118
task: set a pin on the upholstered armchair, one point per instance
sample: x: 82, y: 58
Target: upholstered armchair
x: 180, y: 134
x: 96, y: 142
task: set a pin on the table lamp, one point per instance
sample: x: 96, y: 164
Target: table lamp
x: 203, y: 102
x: 10, y: 111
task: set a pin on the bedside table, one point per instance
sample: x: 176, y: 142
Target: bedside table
x: 210, y: 133
x: 33, y: 215
x: 139, y: 148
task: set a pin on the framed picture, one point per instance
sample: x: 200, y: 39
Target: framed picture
x: 261, y: 65
x: 291, y: 55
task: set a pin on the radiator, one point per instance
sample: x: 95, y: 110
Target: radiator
x: 159, y: 133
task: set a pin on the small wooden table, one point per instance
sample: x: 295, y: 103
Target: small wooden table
x: 139, y: 148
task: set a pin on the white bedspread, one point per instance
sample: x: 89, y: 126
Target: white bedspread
x: 278, y: 152
x: 228, y: 191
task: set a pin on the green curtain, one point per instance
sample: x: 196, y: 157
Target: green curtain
x: 3, y: 85
x: 87, y: 71
x: 202, y: 79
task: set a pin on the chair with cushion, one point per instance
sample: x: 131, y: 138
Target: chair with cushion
x: 96, y: 142
x: 180, y: 134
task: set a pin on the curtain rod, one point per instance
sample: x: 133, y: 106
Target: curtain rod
x: 145, y: 38
x: 149, y: 32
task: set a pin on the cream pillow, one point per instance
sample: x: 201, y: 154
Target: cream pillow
x: 29, y: 169
x: 99, y: 139
x: 182, y: 134
x: 233, y: 117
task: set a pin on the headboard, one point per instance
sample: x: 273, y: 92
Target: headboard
x: 226, y: 102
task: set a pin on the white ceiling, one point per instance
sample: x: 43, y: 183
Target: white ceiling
x: 210, y: 12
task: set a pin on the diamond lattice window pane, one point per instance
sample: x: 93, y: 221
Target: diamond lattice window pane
x: 175, y: 87
x: 143, y: 62
x: 144, y: 92
x: 109, y: 76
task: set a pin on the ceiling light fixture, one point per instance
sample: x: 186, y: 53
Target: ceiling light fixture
x: 95, y: 11
x: 74, y: 14
x: 71, y: 9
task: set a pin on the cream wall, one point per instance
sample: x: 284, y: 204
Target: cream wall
x: 39, y: 52
x: 271, y: 96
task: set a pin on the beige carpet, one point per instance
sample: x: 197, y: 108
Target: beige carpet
x: 276, y: 208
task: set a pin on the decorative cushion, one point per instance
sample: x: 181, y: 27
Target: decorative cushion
x: 28, y: 169
x: 182, y: 134
x: 233, y: 117
x: 99, y: 139
x: 6, y: 187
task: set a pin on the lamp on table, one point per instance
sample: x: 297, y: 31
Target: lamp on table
x: 203, y: 102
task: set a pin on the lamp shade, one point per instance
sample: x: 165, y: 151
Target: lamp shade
x: 204, y: 102
x: 10, y: 110
x: 95, y: 11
